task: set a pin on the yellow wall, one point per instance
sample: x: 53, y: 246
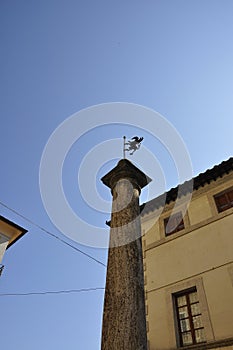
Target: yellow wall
x: 201, y: 255
x: 199, y: 210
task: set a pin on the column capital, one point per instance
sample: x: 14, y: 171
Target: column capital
x: 125, y: 170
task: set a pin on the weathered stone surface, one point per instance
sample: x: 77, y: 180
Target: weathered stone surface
x: 124, y: 320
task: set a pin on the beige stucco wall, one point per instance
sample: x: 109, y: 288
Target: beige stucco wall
x: 201, y: 255
x: 199, y: 210
x: 190, y: 254
x: 152, y: 232
x: 219, y: 291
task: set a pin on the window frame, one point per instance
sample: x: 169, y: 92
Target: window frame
x: 179, y: 218
x: 190, y: 317
x: 225, y: 194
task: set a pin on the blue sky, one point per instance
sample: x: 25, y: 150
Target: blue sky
x: 59, y: 57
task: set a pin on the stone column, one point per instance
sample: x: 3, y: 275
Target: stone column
x: 124, y: 318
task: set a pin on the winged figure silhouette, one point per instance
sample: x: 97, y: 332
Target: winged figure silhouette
x: 134, y: 144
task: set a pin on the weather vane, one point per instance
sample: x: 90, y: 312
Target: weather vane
x: 133, y: 145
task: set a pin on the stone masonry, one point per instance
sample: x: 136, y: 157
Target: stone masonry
x: 124, y: 319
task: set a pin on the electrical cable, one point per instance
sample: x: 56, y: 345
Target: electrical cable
x: 52, y: 234
x: 53, y: 292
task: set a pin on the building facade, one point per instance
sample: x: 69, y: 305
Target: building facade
x: 188, y: 264
x: 9, y: 234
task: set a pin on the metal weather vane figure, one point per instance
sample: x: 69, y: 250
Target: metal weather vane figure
x: 133, y: 145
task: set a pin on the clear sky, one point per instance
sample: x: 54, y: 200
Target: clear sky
x: 59, y: 57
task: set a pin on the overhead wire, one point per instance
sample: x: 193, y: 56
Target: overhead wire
x: 52, y: 234
x: 53, y: 292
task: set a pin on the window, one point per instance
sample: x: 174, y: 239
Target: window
x: 189, y: 322
x: 224, y: 200
x: 173, y: 223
